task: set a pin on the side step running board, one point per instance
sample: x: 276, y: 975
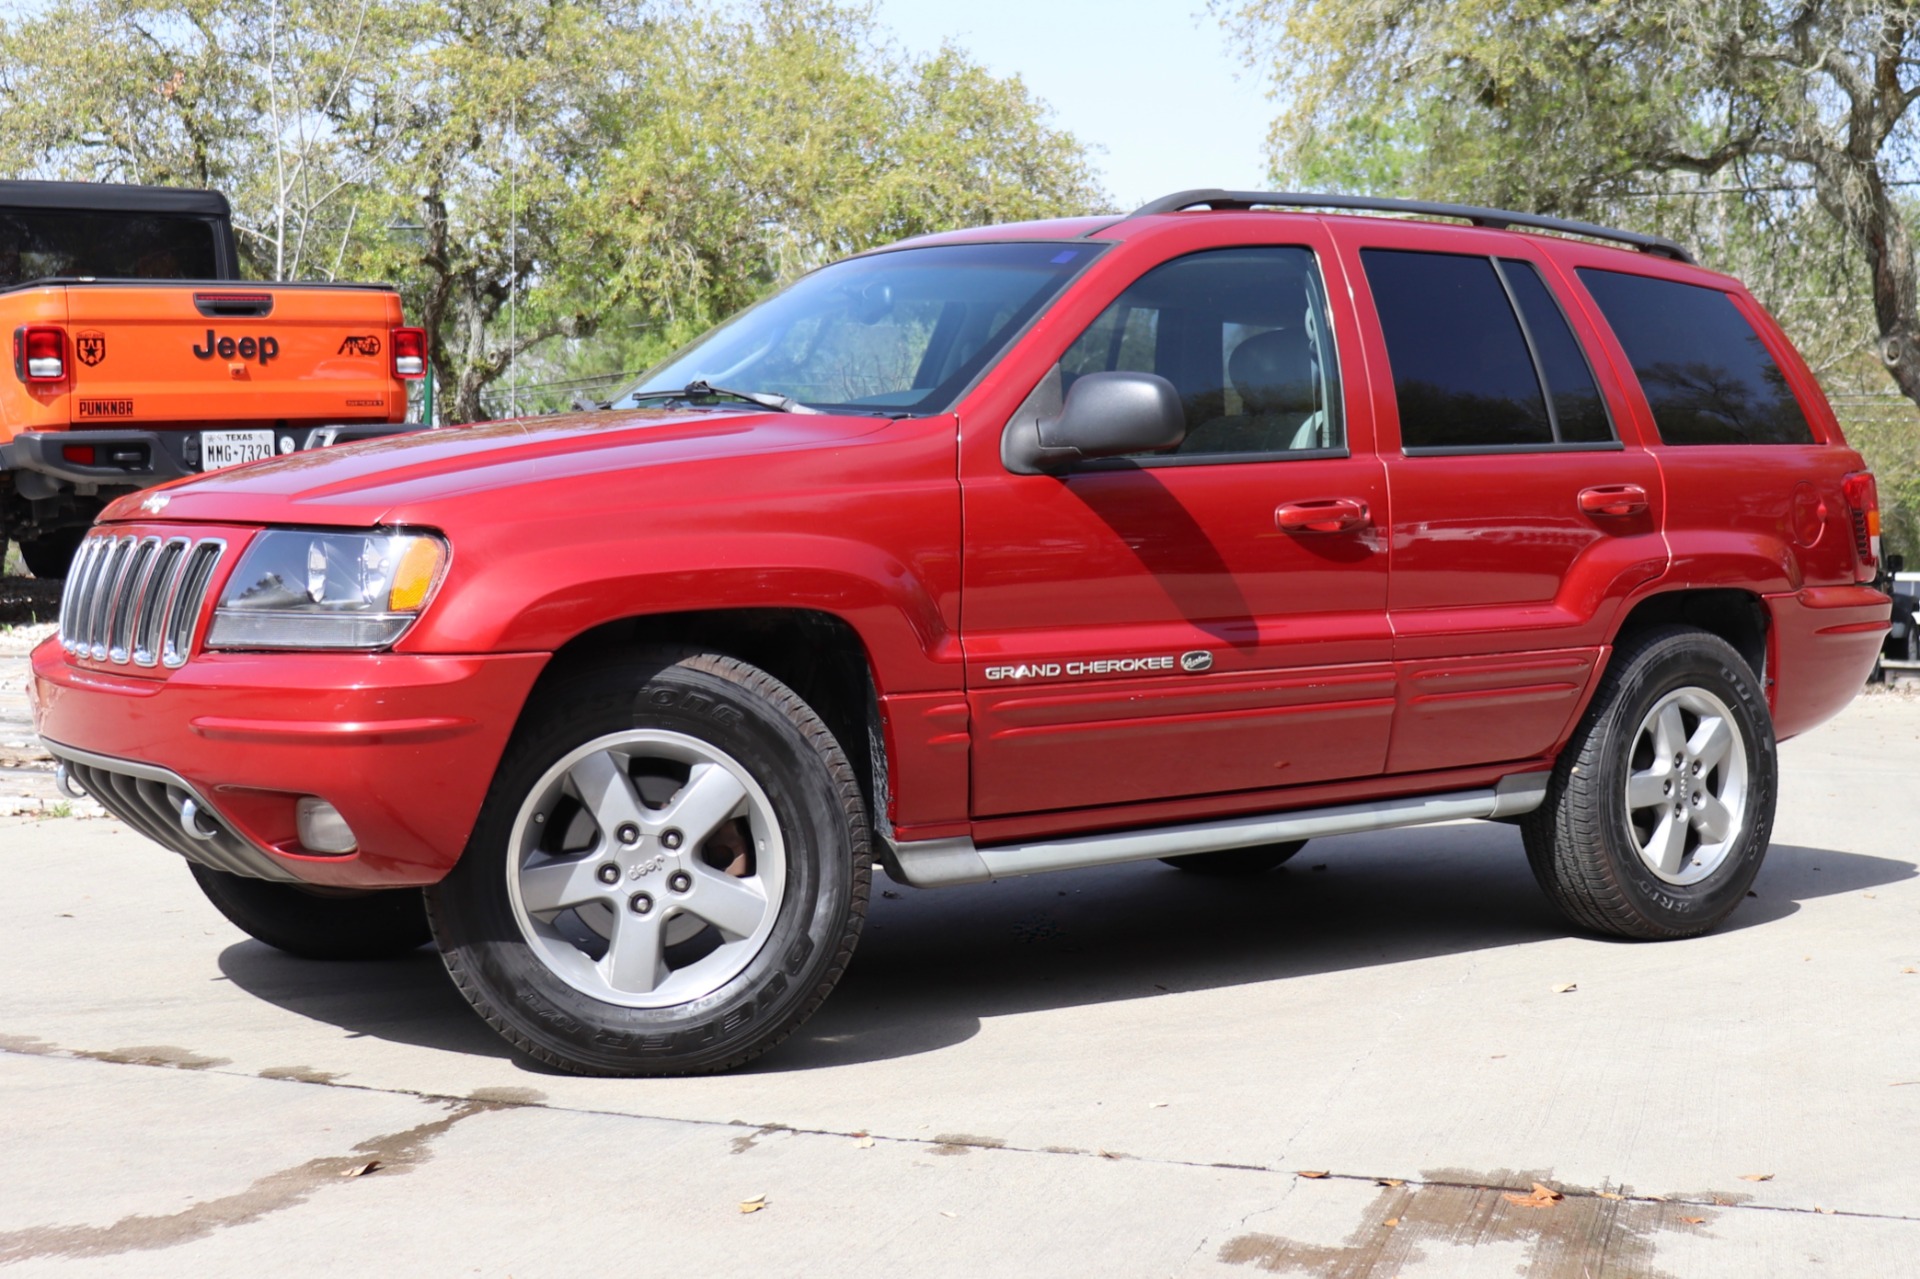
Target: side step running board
x: 940, y: 863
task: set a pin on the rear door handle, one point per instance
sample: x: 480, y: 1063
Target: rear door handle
x: 1614, y: 500
x: 1321, y: 515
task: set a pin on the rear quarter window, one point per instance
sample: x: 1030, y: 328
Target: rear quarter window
x: 1704, y: 370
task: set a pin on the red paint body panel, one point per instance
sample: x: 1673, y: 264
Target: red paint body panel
x: 1825, y: 640
x: 1451, y: 639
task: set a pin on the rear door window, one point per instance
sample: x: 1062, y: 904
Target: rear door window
x: 1706, y: 374
x: 1579, y: 414
x: 1470, y: 371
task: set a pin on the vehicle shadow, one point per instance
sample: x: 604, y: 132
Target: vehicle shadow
x: 932, y: 966
x: 409, y: 1000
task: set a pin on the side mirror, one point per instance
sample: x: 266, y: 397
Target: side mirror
x: 1105, y: 415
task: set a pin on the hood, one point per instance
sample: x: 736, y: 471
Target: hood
x: 401, y: 478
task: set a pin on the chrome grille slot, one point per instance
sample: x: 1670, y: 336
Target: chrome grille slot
x: 155, y: 594
x: 111, y: 576
x: 79, y: 585
x: 120, y: 615
x: 136, y: 599
x: 183, y: 610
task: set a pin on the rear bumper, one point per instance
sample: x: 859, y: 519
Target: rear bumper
x: 403, y: 746
x: 1823, y: 642
x: 139, y: 459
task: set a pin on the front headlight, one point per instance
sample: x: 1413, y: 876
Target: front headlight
x: 295, y: 589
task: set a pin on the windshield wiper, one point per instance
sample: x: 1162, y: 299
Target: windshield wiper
x: 700, y: 388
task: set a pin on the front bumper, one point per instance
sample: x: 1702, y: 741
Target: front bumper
x: 404, y: 746
x: 140, y: 459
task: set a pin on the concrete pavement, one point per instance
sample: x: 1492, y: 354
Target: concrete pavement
x: 1117, y: 1072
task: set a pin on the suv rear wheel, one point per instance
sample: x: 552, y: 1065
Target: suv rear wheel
x: 668, y: 876
x: 1660, y: 809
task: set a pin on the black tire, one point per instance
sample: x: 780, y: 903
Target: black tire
x: 50, y: 555
x: 810, y: 796
x: 1582, y: 842
x: 319, y: 925
x: 1238, y: 863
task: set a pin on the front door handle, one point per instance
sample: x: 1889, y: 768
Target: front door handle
x: 1321, y: 515
x: 1614, y: 499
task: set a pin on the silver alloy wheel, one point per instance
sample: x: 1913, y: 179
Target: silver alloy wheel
x: 1686, y: 788
x: 611, y: 873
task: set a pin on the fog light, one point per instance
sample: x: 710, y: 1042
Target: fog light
x: 322, y: 828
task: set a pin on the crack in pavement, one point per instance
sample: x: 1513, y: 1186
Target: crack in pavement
x: 396, y: 1152
x: 507, y: 1098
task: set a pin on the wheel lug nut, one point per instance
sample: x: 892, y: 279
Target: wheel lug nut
x: 609, y: 874
x: 679, y: 881
x: 672, y: 839
x: 628, y: 833
x: 640, y: 903
x: 1666, y: 788
x: 1696, y: 768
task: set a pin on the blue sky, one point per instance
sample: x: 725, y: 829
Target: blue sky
x: 1155, y: 84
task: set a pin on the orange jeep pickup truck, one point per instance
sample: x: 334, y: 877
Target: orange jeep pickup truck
x: 139, y: 357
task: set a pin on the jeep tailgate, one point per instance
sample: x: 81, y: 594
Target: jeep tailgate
x: 157, y: 353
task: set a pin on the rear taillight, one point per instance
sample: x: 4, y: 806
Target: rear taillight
x: 409, y: 353
x: 40, y: 354
x: 1863, y: 502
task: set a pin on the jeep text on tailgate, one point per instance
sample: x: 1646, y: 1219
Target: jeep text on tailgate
x: 1189, y: 535
x: 138, y: 357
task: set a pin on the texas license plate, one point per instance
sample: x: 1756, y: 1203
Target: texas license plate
x: 230, y: 448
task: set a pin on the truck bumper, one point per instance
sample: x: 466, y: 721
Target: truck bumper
x: 1823, y: 642
x: 403, y: 746
x: 46, y: 462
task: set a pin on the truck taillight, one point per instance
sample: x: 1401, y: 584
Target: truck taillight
x: 409, y: 353
x: 1863, y: 503
x: 40, y: 353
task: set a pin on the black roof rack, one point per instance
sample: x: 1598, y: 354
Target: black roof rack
x: 1500, y: 219
x: 114, y: 197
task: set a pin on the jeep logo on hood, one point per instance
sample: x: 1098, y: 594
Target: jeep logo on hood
x: 263, y: 349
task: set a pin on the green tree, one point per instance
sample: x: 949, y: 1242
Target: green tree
x: 528, y: 173
x: 1778, y: 139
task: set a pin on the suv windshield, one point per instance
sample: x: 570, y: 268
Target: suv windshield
x: 38, y: 244
x: 900, y: 332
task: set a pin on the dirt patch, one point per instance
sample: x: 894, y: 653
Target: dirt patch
x: 959, y: 1143
x: 1583, y: 1235
x: 299, y: 1074
x: 156, y: 1055
x: 505, y: 1097
x: 741, y: 1145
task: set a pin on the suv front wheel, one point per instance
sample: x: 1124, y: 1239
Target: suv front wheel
x: 668, y: 876
x: 1661, y: 807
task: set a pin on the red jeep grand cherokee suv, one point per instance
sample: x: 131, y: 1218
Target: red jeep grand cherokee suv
x: 1191, y: 534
